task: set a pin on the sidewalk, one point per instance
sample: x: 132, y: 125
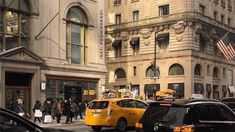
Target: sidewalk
x: 77, y: 121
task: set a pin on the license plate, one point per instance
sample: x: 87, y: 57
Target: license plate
x: 95, y: 115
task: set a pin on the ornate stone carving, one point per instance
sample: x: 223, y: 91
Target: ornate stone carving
x: 109, y: 47
x: 197, y: 27
x: 125, y: 44
x: 145, y: 32
x: 108, y: 40
x: 124, y: 36
x: 212, y: 33
x: 179, y: 27
x: 22, y: 56
x: 146, y: 42
x: 179, y: 37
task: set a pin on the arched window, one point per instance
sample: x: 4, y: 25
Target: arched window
x: 120, y: 73
x: 215, y: 72
x: 197, y: 70
x: 14, y: 24
x: 176, y: 69
x: 76, y: 26
x: 150, y: 72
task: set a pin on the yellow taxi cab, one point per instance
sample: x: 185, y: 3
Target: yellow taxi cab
x: 119, y: 113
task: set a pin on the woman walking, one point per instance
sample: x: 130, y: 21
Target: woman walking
x: 37, y: 111
x: 58, y: 111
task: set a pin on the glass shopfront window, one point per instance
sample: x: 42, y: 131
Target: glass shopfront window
x: 56, y: 88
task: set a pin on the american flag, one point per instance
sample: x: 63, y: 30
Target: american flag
x: 226, y: 47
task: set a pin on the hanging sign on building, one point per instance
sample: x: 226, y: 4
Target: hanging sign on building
x: 101, y: 29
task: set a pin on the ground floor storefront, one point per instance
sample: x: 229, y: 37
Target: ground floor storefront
x: 25, y: 75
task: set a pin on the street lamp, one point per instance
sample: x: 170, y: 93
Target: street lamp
x: 155, y: 58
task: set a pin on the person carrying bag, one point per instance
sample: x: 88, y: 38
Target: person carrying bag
x: 37, y: 111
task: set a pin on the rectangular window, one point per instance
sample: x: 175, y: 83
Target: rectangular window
x: 224, y: 73
x: 117, y: 2
x: 215, y: 15
x: 135, y: 48
x: 118, y: 19
x: 230, y: 7
x: 222, y: 18
x: 134, y: 70
x: 208, y: 70
x: 163, y: 10
x: 202, y: 9
x: 223, y: 3
x: 230, y: 77
x: 229, y: 21
x: 135, y: 16
x: 118, y: 51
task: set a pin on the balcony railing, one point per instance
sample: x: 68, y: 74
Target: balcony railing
x: 169, y: 19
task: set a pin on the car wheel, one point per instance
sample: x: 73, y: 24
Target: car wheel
x: 121, y: 125
x: 96, y: 128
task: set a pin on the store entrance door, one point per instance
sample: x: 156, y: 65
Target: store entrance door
x: 14, y: 92
x: 18, y: 85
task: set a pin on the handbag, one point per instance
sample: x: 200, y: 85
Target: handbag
x: 47, y: 119
x: 38, y: 113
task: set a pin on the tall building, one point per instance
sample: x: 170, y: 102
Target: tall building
x: 179, y: 36
x: 51, y: 49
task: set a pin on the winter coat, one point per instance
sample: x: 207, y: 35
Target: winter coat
x: 37, y: 106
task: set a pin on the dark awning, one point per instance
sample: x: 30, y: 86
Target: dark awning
x: 162, y: 36
x: 117, y: 43
x: 135, y: 41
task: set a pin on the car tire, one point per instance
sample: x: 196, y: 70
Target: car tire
x: 96, y: 128
x: 121, y: 125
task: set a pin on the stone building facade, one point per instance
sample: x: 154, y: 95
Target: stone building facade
x: 185, y: 33
x: 51, y: 49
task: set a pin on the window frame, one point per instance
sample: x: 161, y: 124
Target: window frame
x: 118, y: 19
x: 135, y: 15
x: 82, y: 47
x: 163, y: 10
x: 21, y: 37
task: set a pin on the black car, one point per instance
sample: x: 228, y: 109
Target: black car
x: 187, y: 115
x: 230, y: 102
x: 11, y: 122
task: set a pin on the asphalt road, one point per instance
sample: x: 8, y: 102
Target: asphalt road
x: 83, y: 128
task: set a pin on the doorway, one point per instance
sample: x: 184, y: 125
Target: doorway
x: 18, y: 85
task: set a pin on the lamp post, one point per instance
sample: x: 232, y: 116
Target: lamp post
x: 155, y: 59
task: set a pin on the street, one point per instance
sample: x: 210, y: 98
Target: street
x: 77, y: 126
x: 83, y: 128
